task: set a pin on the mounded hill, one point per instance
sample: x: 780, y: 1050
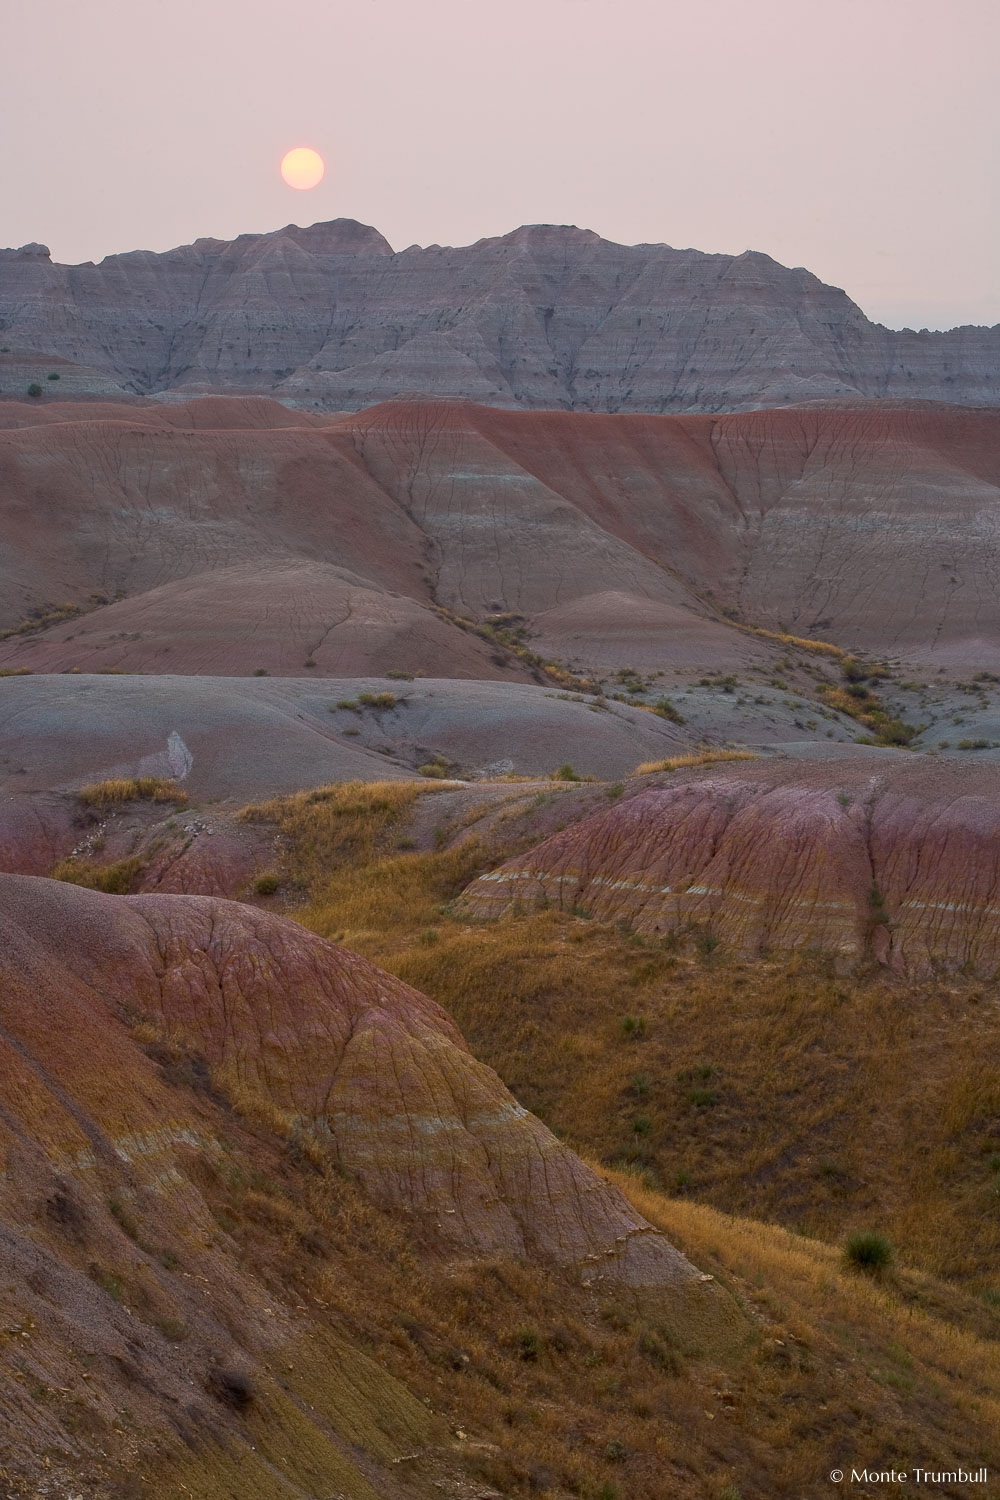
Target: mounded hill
x: 310, y: 1031
x: 131, y: 1031
x: 897, y: 861
x: 547, y: 316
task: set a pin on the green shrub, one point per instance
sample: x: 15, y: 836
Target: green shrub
x: 34, y: 389
x: 868, y: 1251
x: 565, y: 773
x: 173, y: 1329
x: 667, y: 710
x: 529, y: 1345
x: 266, y: 884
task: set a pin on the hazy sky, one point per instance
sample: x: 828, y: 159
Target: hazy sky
x: 856, y: 137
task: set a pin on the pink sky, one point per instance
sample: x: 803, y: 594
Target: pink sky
x: 856, y: 137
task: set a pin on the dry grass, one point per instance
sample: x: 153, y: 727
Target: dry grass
x: 698, y: 758
x: 869, y: 710
x: 798, y: 642
x: 116, y: 879
x: 41, y: 619
x: 769, y: 1088
x: 103, y: 795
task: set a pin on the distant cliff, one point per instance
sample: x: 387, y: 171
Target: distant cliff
x: 329, y: 317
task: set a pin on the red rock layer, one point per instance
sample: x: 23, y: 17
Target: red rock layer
x: 310, y: 1030
x: 902, y: 862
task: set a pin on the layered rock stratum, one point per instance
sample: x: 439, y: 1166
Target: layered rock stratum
x: 227, y: 536
x: 899, y: 862
x: 330, y: 317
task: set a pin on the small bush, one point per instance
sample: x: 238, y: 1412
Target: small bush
x: 266, y: 884
x: 529, y: 1345
x: 173, y: 1329
x: 868, y: 1251
x: 34, y: 389
x: 123, y: 1217
x: 565, y: 773
x: 377, y: 700
x: 52, y: 377
x: 261, y: 672
x: 633, y: 1026
x: 666, y: 710
x: 234, y: 1387
x: 659, y: 1354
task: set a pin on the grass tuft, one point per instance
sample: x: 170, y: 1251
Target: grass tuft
x: 683, y: 762
x: 123, y: 789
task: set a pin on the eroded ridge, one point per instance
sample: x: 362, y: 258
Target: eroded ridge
x: 836, y: 856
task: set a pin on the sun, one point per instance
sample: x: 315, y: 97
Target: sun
x: 302, y: 167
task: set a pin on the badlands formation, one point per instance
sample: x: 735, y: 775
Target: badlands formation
x: 648, y: 653
x: 330, y: 318
x: 252, y: 601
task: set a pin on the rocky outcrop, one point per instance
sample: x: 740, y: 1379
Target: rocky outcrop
x: 290, y: 1024
x: 900, y: 864
x: 548, y: 316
